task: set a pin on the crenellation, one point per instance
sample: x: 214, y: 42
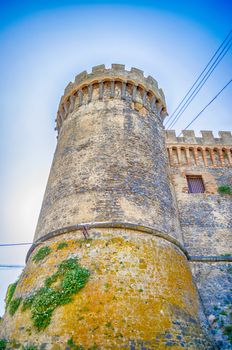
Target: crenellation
x: 100, y: 68
x: 170, y: 136
x: 226, y: 137
x: 206, y: 151
x: 138, y: 72
x: 189, y: 136
x: 207, y: 138
x: 118, y: 73
x: 80, y: 77
x: 68, y: 88
x: 152, y: 82
x: 118, y: 67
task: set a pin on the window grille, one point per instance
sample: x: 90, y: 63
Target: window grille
x: 195, y: 184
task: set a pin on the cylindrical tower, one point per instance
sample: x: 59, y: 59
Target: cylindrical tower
x: 107, y: 269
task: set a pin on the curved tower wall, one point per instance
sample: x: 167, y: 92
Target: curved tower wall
x: 110, y: 165
x: 109, y: 207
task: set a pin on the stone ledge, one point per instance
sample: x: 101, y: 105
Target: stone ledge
x: 203, y: 258
x: 123, y: 225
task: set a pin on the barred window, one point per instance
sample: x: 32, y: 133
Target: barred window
x: 195, y: 184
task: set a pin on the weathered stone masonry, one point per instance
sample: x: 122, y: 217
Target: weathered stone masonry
x: 206, y: 219
x: 119, y: 203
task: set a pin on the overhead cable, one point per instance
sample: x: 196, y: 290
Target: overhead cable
x: 199, y: 86
x: 197, y: 116
x: 226, y: 44
x: 13, y: 244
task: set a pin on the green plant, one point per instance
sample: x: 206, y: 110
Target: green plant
x: 14, y: 305
x: 71, y: 277
x: 41, y: 253
x: 30, y: 347
x: 223, y: 313
x: 225, y: 189
x: 228, y: 332
x: 3, y: 344
x: 10, y: 292
x: 74, y: 346
x: 62, y: 245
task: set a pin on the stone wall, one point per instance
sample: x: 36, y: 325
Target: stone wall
x: 206, y: 221
x: 139, y: 295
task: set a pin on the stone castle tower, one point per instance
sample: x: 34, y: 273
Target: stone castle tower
x: 110, y: 266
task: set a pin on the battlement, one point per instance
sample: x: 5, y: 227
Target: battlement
x: 206, y: 151
x: 114, y: 82
x: 225, y: 137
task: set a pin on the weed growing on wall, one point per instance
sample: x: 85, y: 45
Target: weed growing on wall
x: 10, y: 293
x: 41, y: 253
x: 74, y: 346
x: 62, y: 245
x: 225, y: 189
x: 14, y: 305
x: 3, y: 344
x: 43, y: 302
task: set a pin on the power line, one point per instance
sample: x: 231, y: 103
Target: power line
x: 215, y: 54
x: 199, y: 76
x: 206, y: 106
x: 199, y: 86
x: 13, y: 244
x: 7, y: 267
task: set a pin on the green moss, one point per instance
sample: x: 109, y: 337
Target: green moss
x: 10, y: 293
x: 74, y: 346
x: 27, y: 303
x: 225, y: 189
x: 228, y: 332
x: 14, y: 305
x: 62, y: 245
x: 223, y: 313
x: 71, y: 277
x: 41, y: 253
x: 109, y: 325
x: 3, y: 344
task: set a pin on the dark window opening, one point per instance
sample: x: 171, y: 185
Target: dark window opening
x: 195, y: 184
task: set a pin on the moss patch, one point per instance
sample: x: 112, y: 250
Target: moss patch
x: 3, y: 344
x: 74, y: 346
x: 42, y: 303
x: 10, y: 293
x: 225, y: 189
x: 41, y: 253
x: 14, y: 305
x: 62, y: 245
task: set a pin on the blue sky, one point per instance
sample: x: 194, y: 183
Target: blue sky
x: 44, y: 44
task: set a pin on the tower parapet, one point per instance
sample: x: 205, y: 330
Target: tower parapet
x: 207, y: 138
x: 205, y: 151
x: 115, y: 82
